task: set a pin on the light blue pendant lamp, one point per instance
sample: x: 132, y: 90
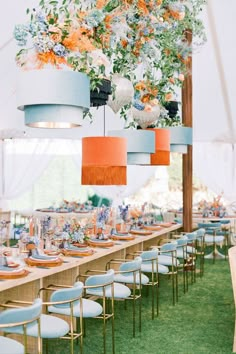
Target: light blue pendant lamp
x: 180, y: 138
x: 53, y: 98
x: 140, y: 144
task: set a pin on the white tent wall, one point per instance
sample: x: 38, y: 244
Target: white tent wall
x: 214, y: 120
x: 214, y: 77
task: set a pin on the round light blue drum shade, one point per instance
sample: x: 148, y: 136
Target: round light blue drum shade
x: 140, y: 144
x: 53, y: 98
x: 180, y: 138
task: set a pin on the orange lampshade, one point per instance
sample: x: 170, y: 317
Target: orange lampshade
x: 162, y: 147
x: 104, y: 160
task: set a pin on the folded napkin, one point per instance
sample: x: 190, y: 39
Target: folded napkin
x: 7, y: 269
x: 98, y: 240
x: 42, y: 257
x: 120, y: 233
x: 75, y: 248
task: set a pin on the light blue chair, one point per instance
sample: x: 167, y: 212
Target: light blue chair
x: 47, y: 326
x: 182, y: 255
x: 67, y: 301
x: 18, y: 320
x: 214, y: 236
x: 150, y: 266
x: 130, y: 273
x: 192, y: 254
x: 201, y: 249
x: 170, y: 249
x: 10, y: 346
x: 101, y: 286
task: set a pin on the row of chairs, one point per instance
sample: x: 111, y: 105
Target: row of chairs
x: 122, y: 279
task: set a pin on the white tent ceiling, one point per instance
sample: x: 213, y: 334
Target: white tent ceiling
x: 214, y: 78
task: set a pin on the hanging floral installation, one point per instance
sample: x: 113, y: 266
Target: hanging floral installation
x: 142, y: 41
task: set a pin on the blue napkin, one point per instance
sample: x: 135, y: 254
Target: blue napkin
x: 42, y: 257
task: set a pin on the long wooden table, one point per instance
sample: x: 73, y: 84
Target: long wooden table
x: 28, y: 287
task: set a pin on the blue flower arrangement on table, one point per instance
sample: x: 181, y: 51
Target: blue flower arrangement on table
x: 102, y: 219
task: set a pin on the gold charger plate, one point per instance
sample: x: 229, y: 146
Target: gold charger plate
x: 100, y: 243
x: 77, y: 252
x: 45, y: 263
x: 124, y: 238
x: 152, y: 227
x: 141, y: 232
x: 14, y: 275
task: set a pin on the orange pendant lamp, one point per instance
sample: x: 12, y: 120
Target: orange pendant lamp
x: 161, y: 157
x: 104, y: 160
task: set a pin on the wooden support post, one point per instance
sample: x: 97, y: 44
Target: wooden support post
x: 187, y: 158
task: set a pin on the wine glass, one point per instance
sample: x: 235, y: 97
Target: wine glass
x: 3, y: 238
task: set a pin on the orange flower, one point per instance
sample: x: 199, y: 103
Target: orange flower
x: 172, y: 80
x: 166, y: 15
x: 84, y: 44
x: 167, y: 51
x: 140, y: 86
x: 177, y: 15
x: 124, y: 43
x: 159, y: 2
x: 107, y: 21
x: 71, y: 42
x: 105, y: 39
x: 101, y: 4
x: 153, y: 91
x: 49, y: 58
x: 168, y: 96
x: 143, y: 7
x: 145, y: 98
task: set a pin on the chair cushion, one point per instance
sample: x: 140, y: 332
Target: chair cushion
x: 51, y: 327
x: 121, y: 291
x: 90, y: 309
x: 210, y: 239
x: 166, y: 260
x: 191, y: 249
x: 129, y: 279
x: 10, y: 346
x: 147, y: 268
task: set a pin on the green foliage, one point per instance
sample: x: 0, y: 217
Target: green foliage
x: 99, y: 201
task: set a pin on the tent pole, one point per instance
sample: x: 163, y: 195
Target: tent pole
x: 187, y: 165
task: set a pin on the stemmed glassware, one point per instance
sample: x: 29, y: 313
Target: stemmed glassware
x: 3, y: 238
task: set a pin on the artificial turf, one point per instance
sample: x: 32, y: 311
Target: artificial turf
x: 201, y: 322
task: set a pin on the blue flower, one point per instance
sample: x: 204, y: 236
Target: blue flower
x: 138, y: 105
x: 95, y: 17
x: 20, y: 34
x: 60, y: 50
x: 43, y: 44
x: 40, y: 17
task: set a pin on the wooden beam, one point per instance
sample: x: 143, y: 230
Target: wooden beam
x: 187, y: 166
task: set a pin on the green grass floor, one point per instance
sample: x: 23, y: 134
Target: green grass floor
x: 201, y: 322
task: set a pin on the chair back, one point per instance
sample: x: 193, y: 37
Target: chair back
x: 182, y: 242
x: 64, y: 297
x: 226, y: 221
x: 148, y: 256
x: 21, y: 316
x: 169, y: 247
x: 192, y: 236
x: 104, y: 280
x: 209, y: 225
x: 200, y: 232
x: 132, y: 265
